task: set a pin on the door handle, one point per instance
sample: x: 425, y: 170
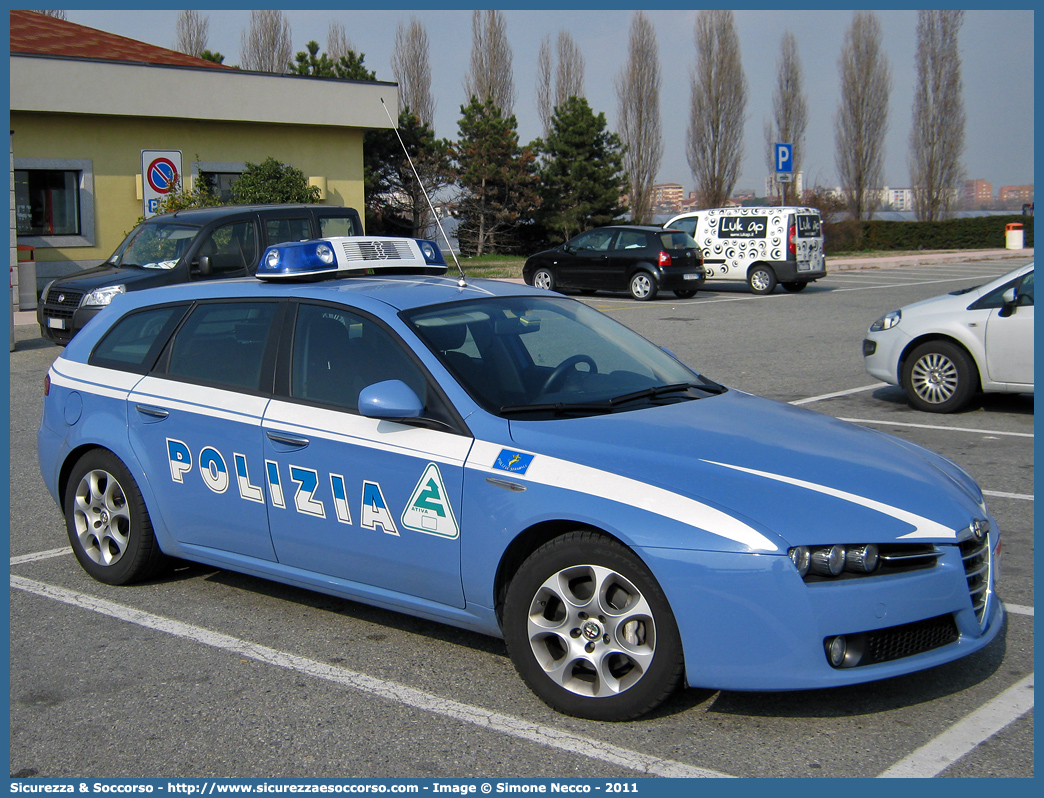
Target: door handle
x: 287, y: 439
x: 152, y: 412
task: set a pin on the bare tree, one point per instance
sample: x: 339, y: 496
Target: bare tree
x: 789, y: 112
x: 638, y: 91
x: 191, y: 33
x: 717, y: 109
x: 266, y: 46
x: 412, y: 71
x: 569, y: 77
x: 937, y: 137
x: 338, y: 45
x: 545, y: 74
x: 489, y: 76
x: 862, y: 115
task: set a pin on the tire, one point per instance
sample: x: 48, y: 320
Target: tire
x: 574, y: 641
x: 688, y: 293
x: 794, y: 287
x: 108, y: 524
x: 761, y: 279
x: 939, y: 377
x: 542, y: 278
x: 643, y: 286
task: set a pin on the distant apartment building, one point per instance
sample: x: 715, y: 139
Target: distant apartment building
x: 1014, y: 196
x: 668, y: 196
x: 897, y: 199
x: 977, y: 195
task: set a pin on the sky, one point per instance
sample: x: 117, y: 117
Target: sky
x: 996, y: 49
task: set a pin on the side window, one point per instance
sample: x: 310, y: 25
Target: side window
x: 995, y: 299
x: 337, y: 353
x: 330, y: 226
x: 231, y: 249
x: 597, y: 240
x: 223, y: 343
x: 135, y: 340
x: 631, y: 239
x: 688, y: 225
x: 280, y: 230
x: 1025, y: 290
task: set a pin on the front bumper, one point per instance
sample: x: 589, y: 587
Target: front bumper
x: 882, y: 354
x: 59, y: 324
x: 749, y: 622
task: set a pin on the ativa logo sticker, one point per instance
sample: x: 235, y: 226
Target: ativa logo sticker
x: 429, y: 510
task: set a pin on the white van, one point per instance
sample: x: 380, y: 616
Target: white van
x: 763, y: 246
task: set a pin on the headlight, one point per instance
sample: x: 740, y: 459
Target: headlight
x: 887, y: 321
x: 272, y: 258
x: 427, y: 250
x: 100, y: 297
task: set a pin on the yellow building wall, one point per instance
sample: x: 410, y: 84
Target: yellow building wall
x: 114, y: 144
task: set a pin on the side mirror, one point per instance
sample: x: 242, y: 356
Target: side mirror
x: 203, y: 265
x: 1011, y: 301
x: 390, y: 399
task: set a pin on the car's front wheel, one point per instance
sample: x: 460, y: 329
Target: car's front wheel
x: 542, y: 278
x: 761, y: 279
x: 107, y: 522
x: 590, y: 631
x: 939, y: 377
x: 643, y: 286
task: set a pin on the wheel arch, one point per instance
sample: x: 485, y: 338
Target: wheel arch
x: 528, y: 541
x: 936, y: 336
x: 767, y: 264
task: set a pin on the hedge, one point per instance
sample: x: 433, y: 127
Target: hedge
x: 979, y: 232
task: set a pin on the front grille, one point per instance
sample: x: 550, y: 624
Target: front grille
x: 61, y: 304
x: 976, y: 556
x: 897, y: 642
x: 378, y: 250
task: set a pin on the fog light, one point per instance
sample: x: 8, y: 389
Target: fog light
x: 325, y: 254
x: 801, y: 559
x: 828, y: 561
x: 272, y: 258
x: 837, y: 648
x: 861, y: 559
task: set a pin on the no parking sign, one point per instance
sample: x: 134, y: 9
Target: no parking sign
x: 160, y: 170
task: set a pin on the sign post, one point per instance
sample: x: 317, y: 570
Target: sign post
x: 160, y: 170
x: 784, y: 158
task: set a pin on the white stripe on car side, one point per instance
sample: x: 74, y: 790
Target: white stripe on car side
x: 92, y: 379
x: 211, y: 402
x: 558, y: 473
x: 923, y: 527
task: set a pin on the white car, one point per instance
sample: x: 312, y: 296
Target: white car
x: 942, y: 350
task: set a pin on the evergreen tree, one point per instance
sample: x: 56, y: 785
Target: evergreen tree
x: 581, y: 176
x: 271, y: 181
x: 320, y: 65
x: 395, y: 203
x: 497, y: 178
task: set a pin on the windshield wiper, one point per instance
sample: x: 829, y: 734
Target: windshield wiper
x: 557, y: 408
x: 665, y: 390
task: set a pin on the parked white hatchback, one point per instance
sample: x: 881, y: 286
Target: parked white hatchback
x: 943, y: 350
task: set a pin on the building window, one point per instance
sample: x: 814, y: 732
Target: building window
x: 54, y: 202
x: 218, y: 177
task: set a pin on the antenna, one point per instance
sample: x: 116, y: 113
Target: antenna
x: 462, y: 281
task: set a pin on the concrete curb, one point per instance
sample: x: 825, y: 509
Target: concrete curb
x: 25, y: 317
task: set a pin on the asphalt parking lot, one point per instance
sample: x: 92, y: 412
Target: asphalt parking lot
x: 207, y: 673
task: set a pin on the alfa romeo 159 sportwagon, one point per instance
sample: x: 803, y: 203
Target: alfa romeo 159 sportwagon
x: 511, y: 461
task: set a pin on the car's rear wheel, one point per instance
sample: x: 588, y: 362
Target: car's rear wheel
x: 590, y: 631
x: 643, y: 286
x: 939, y: 377
x: 794, y: 287
x: 688, y: 293
x: 761, y: 279
x: 107, y: 522
x: 542, y: 278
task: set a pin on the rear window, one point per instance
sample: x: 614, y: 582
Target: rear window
x: 134, y: 341
x: 675, y: 239
x: 330, y: 226
x: 809, y: 225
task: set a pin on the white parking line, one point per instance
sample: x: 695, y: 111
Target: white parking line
x: 40, y: 555
x: 1025, y: 497
x: 932, y: 759
x: 1018, y: 609
x: 836, y: 394
x: 871, y: 422
x: 548, y: 736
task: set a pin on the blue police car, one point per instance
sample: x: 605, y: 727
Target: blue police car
x: 510, y: 461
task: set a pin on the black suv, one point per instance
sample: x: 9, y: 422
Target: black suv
x: 636, y: 258
x: 198, y: 244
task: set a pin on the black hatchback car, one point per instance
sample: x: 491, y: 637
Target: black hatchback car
x: 641, y: 259
x: 184, y: 246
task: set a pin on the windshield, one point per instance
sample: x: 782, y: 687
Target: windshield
x: 154, y: 246
x: 536, y: 357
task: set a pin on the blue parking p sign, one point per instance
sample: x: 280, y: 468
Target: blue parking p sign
x: 785, y: 158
